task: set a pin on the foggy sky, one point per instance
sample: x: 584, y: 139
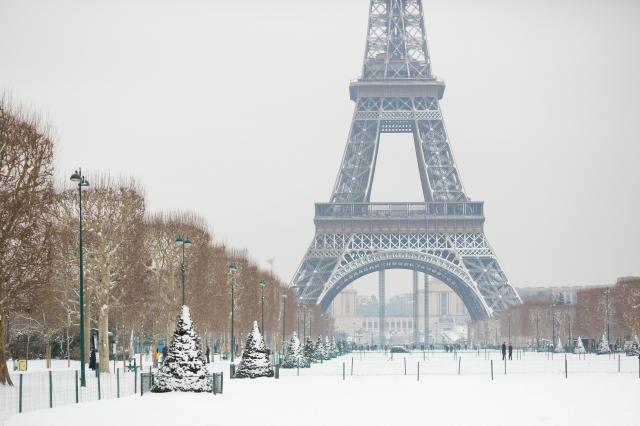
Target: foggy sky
x: 240, y: 112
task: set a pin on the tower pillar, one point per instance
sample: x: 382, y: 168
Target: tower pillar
x: 426, y: 309
x: 381, y: 305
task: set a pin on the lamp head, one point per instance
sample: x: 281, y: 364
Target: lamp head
x: 233, y: 267
x: 75, y: 177
x: 262, y: 283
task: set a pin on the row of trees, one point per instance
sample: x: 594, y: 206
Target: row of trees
x: 612, y: 311
x: 132, y: 262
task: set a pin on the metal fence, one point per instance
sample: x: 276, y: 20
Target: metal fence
x: 439, y: 363
x: 48, y: 389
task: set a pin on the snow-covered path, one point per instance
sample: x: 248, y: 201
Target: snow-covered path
x: 377, y: 397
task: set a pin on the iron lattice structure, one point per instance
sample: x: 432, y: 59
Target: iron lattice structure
x: 443, y: 236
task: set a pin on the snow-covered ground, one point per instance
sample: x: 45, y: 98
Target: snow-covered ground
x: 533, y: 392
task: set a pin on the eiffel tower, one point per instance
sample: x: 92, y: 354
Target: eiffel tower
x: 443, y: 236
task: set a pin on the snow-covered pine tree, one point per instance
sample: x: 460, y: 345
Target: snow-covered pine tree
x: 334, y: 348
x: 255, y: 357
x: 635, y: 346
x: 184, y: 369
x: 294, y: 356
x: 309, y: 350
x: 559, y: 348
x: 327, y: 349
x: 603, y: 347
x: 579, y: 348
x: 319, y: 354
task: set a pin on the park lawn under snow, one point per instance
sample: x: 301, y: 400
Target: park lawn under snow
x: 534, y: 392
x: 385, y: 400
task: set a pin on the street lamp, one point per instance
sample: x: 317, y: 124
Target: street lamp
x: 606, y: 295
x: 183, y: 267
x: 553, y: 325
x: 262, y: 284
x: 78, y: 178
x: 232, y: 274
x: 284, y: 315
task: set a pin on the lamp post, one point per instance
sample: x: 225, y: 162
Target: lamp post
x: 553, y: 325
x: 606, y: 295
x: 232, y: 274
x: 183, y: 267
x: 284, y: 315
x: 78, y: 178
x: 262, y: 284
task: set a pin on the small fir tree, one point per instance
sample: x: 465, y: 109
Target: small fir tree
x: 559, y: 348
x: 579, y: 348
x: 309, y: 350
x: 294, y: 356
x: 184, y: 369
x: 603, y: 347
x: 334, y: 348
x: 327, y: 348
x: 320, y: 352
x: 255, y: 357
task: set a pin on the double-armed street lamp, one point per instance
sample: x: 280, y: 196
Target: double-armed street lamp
x: 78, y: 178
x: 262, y: 285
x: 232, y: 282
x: 183, y: 267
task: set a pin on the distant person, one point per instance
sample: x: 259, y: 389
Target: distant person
x: 165, y: 352
x: 92, y: 359
x: 510, y: 351
x: 208, y: 354
x: 504, y: 350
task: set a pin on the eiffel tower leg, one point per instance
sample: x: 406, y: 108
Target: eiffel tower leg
x: 426, y: 309
x: 416, y: 328
x: 381, y: 305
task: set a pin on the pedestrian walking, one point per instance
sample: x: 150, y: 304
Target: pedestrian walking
x: 504, y: 350
x: 510, y: 351
x: 208, y: 354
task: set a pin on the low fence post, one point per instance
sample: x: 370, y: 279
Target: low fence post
x: 418, y: 370
x: 343, y: 371
x: 99, y: 394
x: 352, y: 366
x: 77, y: 393
x: 50, y: 389
x: 118, y: 382
x: 405, y: 366
x: 491, y: 369
x: 20, y: 396
x: 618, y: 363
x: 505, y: 365
x: 135, y: 378
x: 459, y: 364
x: 566, y: 374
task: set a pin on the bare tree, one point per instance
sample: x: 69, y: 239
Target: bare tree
x: 114, y: 214
x: 26, y: 168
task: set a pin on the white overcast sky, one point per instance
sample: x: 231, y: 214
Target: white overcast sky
x: 239, y: 111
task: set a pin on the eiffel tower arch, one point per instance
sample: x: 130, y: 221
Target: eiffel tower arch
x: 442, y: 236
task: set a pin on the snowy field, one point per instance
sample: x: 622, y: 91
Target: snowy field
x: 534, y: 391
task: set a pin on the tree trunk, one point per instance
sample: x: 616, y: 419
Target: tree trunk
x: 5, y: 378
x: 68, y: 350
x: 103, y: 338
